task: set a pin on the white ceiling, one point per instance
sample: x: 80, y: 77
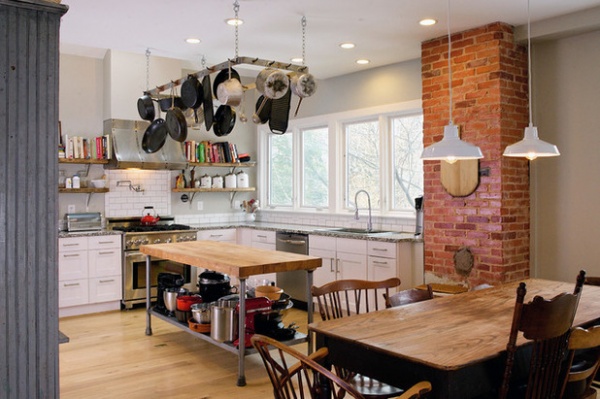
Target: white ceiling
x: 385, y: 31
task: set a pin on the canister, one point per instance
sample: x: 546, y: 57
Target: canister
x: 206, y: 181
x: 242, y: 179
x: 217, y: 181
x: 230, y: 181
x: 223, y: 326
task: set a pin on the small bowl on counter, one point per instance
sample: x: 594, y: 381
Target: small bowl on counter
x: 99, y: 183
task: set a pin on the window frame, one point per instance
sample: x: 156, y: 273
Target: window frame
x: 337, y: 187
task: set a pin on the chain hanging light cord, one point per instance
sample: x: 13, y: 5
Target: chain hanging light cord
x: 529, y: 63
x: 449, y: 65
x: 147, y: 69
x: 303, y: 40
x: 236, y: 9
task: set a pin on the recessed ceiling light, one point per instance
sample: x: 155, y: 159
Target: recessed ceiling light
x: 192, y: 40
x: 427, y: 22
x: 297, y: 59
x: 347, y: 45
x: 362, y: 61
x: 234, y: 21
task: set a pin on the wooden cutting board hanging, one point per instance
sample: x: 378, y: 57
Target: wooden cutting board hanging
x: 460, y: 178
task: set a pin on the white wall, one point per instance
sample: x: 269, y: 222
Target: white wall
x: 565, y: 190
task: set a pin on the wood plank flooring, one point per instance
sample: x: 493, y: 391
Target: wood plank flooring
x: 109, y: 356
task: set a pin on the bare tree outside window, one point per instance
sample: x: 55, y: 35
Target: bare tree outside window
x: 363, y: 162
x: 315, y: 167
x: 407, y: 142
x: 281, y: 170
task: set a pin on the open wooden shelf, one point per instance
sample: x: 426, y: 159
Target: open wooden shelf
x: 83, y: 161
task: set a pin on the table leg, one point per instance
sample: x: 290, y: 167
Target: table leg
x: 148, y: 296
x: 309, y: 307
x: 242, y: 334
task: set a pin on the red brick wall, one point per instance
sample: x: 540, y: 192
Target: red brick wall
x: 489, y: 85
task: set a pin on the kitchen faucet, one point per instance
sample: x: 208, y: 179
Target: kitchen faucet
x: 369, y: 222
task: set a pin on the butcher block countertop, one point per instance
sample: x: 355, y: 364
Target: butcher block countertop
x: 235, y: 260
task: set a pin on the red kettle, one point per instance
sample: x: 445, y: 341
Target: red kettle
x: 149, y: 216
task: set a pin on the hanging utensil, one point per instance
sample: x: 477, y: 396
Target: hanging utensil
x: 155, y: 136
x: 175, y: 120
x: 272, y: 83
x: 224, y: 120
x: 280, y: 113
x: 303, y: 85
x: 207, y: 103
x: 263, y: 110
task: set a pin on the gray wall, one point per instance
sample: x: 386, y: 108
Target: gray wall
x: 565, y: 190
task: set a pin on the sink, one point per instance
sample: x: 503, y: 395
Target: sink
x: 354, y: 231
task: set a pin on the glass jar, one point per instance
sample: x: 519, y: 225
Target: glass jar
x: 61, y: 179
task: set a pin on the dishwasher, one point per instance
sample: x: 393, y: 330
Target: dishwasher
x: 293, y: 283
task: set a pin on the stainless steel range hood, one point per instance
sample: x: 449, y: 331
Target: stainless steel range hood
x: 126, y: 137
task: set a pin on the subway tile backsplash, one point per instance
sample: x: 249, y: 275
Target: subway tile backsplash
x: 122, y: 201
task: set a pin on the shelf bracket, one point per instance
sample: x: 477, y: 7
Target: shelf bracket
x: 231, y: 197
x: 87, y: 202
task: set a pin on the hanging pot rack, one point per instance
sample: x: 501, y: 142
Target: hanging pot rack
x: 224, y: 65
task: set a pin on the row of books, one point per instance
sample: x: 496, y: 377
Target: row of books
x: 207, y: 151
x: 77, y: 147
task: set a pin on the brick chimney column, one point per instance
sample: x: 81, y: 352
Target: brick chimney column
x: 490, y: 106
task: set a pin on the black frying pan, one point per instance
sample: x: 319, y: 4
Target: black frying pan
x: 146, y: 108
x: 207, y: 103
x: 176, y: 124
x: 168, y: 102
x: 224, y: 120
x: 154, y: 136
x: 192, y: 92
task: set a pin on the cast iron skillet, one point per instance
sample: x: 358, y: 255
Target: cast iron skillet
x: 176, y: 124
x: 192, y: 92
x: 154, y: 136
x: 207, y: 103
x: 146, y: 107
x: 224, y: 120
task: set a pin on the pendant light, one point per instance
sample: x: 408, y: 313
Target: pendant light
x: 451, y: 148
x: 531, y: 146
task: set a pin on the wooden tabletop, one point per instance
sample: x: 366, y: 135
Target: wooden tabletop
x: 235, y: 260
x: 451, y: 332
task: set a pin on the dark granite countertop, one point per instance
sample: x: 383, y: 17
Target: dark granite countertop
x: 305, y: 229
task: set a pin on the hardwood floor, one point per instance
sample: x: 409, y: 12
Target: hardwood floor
x: 109, y: 356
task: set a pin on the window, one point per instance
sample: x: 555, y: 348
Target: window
x: 322, y: 162
x: 315, y: 167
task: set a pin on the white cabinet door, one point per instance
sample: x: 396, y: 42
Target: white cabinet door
x: 72, y: 265
x: 327, y: 272
x: 105, y: 262
x: 104, y: 289
x: 352, y: 266
x: 73, y: 244
x: 72, y: 293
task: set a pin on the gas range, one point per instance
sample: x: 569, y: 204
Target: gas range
x: 136, y: 234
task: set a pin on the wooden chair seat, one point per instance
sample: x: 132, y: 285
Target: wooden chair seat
x: 307, y: 378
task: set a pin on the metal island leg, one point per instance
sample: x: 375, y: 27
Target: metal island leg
x: 148, y: 296
x: 242, y: 334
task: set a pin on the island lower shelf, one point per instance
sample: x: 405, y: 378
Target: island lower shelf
x: 228, y: 346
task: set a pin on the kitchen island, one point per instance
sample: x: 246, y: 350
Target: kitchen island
x: 235, y: 260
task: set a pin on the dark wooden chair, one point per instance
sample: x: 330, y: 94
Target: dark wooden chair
x: 547, y: 324
x: 344, y: 298
x: 306, y: 378
x: 584, y: 361
x: 408, y: 296
x: 348, y: 297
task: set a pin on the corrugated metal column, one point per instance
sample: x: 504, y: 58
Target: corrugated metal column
x: 29, y: 33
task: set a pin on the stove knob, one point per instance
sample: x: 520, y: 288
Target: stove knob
x: 157, y: 241
x: 128, y: 243
x: 137, y: 241
x: 168, y: 240
x: 145, y: 241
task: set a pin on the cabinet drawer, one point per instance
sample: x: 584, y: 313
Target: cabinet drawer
x: 72, y: 265
x: 263, y: 236
x: 72, y: 244
x: 104, y: 262
x: 384, y: 249
x: 72, y: 293
x: 228, y: 235
x: 349, y: 245
x: 104, y: 289
x: 322, y: 242
x: 110, y: 241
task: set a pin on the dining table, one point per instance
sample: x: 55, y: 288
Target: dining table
x: 456, y: 342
